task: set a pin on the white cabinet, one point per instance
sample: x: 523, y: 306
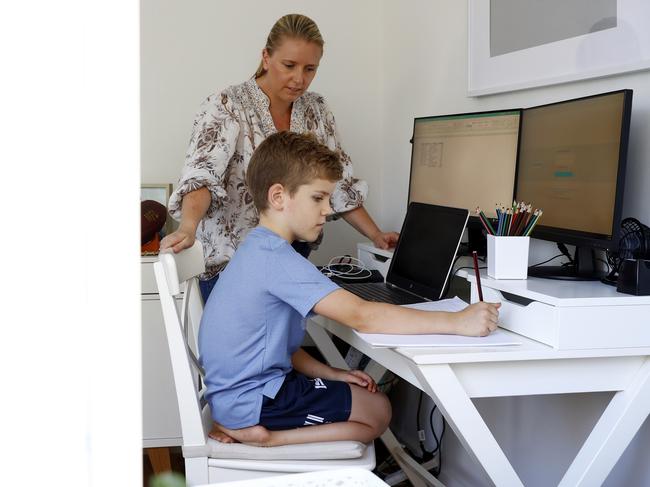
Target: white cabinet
x: 160, y: 420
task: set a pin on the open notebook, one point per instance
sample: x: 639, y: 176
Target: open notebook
x: 496, y: 338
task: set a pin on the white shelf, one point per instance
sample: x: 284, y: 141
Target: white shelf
x: 556, y: 292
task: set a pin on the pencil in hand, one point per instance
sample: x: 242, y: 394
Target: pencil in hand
x: 477, y: 273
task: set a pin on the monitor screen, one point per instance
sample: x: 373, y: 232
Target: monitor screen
x: 465, y: 160
x: 571, y: 164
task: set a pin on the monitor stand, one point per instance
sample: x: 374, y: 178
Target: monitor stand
x: 583, y: 268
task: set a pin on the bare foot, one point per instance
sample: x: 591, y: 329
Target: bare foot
x: 217, y: 434
x: 253, y: 435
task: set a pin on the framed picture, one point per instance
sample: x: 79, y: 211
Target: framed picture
x: 160, y: 193
x: 518, y: 44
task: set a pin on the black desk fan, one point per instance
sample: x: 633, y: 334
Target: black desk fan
x: 633, y: 244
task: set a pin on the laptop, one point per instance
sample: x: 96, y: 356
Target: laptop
x: 423, y: 258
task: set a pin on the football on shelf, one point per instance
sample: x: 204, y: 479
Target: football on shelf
x: 153, y: 216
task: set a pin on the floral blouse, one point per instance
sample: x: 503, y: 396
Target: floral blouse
x: 226, y: 130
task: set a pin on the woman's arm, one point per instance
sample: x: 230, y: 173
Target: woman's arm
x: 364, y: 224
x: 201, y: 188
x: 195, y: 206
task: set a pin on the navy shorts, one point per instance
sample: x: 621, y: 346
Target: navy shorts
x: 306, y: 402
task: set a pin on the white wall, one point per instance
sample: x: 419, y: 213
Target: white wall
x: 191, y: 49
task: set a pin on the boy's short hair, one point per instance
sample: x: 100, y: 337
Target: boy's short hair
x: 292, y: 160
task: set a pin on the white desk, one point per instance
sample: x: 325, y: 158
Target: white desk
x: 453, y: 376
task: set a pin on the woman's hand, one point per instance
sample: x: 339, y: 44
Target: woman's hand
x: 478, y: 319
x: 178, y: 240
x: 195, y: 205
x: 385, y: 240
x: 357, y: 377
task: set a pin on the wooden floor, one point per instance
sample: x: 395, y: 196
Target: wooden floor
x: 177, y: 465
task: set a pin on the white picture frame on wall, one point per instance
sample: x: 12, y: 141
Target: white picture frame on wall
x: 612, y: 46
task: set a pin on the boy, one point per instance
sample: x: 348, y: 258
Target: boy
x: 261, y: 386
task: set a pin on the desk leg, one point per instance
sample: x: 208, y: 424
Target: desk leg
x: 613, y: 432
x: 325, y: 345
x: 467, y: 423
x: 417, y: 475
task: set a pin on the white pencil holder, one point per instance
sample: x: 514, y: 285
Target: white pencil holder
x: 507, y: 257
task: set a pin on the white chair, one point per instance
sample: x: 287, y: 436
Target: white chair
x: 207, y: 460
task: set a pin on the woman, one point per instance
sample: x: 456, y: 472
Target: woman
x: 211, y: 199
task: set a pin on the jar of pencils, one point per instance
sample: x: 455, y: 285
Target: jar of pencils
x: 508, y: 239
x: 507, y: 257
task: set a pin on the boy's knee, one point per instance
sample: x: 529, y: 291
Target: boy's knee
x: 381, y: 414
x: 385, y: 412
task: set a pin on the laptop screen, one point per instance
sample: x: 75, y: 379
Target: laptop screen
x: 426, y: 249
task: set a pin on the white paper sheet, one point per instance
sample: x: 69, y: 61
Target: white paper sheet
x: 496, y: 338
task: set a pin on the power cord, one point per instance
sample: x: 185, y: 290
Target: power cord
x: 565, y: 251
x: 346, y: 267
x: 549, y: 260
x: 426, y: 455
x: 438, y: 448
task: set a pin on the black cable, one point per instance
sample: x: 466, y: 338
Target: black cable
x: 444, y: 428
x: 565, y: 251
x: 433, y: 431
x: 438, y: 440
x: 549, y: 260
x: 426, y: 455
x: 444, y: 295
x: 417, y: 428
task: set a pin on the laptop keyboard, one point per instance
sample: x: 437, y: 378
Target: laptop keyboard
x: 380, y: 293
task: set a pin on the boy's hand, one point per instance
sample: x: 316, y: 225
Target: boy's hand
x: 478, y: 319
x: 359, y: 378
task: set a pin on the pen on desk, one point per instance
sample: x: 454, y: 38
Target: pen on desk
x: 478, y: 276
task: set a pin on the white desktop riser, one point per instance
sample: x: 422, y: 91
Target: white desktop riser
x: 574, y: 327
x: 374, y: 258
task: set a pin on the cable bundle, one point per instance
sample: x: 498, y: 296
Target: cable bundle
x: 346, y: 267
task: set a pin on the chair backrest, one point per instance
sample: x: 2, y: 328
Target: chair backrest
x: 176, y: 277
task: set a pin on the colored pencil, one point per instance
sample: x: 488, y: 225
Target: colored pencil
x: 532, y: 226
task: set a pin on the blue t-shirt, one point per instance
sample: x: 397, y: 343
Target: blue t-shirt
x: 253, y: 321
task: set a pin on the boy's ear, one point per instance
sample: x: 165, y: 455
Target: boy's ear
x: 276, y: 196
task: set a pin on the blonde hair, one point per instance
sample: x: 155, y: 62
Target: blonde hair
x: 293, y: 26
x: 292, y: 160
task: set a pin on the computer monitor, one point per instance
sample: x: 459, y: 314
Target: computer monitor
x: 571, y: 164
x: 464, y: 161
